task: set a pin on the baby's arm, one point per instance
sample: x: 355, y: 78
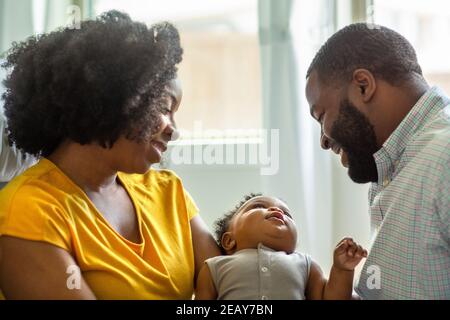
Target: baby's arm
x: 316, y: 282
x: 205, y: 289
x: 347, y: 255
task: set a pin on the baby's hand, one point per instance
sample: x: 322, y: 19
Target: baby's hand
x: 348, y: 254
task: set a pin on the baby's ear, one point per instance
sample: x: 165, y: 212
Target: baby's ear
x: 228, y: 242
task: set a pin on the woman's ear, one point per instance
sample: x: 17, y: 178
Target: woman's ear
x: 365, y: 84
x: 228, y: 242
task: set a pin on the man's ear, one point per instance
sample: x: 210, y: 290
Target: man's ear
x: 228, y: 242
x: 365, y: 84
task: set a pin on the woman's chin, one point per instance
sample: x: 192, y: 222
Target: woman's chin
x: 155, y: 158
x: 141, y: 167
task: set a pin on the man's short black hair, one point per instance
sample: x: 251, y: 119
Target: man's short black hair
x: 382, y: 51
x: 222, y: 224
x: 93, y: 84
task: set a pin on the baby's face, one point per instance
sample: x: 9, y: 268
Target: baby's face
x: 264, y: 220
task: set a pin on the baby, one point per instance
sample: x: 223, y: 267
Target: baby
x: 258, y: 239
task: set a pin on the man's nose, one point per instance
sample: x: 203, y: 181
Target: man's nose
x: 324, y: 141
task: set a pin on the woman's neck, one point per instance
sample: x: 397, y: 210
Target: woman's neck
x: 87, y: 165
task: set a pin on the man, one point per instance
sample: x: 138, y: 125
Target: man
x: 12, y: 161
x: 366, y: 89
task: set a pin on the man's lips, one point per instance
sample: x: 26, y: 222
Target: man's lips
x: 338, y: 150
x: 344, y: 158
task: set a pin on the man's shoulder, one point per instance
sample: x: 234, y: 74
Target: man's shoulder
x: 432, y: 143
x: 439, y: 125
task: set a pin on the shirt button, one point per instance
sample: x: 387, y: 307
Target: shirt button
x: 264, y: 269
x: 264, y: 298
x: 385, y: 182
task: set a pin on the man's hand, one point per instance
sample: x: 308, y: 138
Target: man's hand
x: 348, y: 254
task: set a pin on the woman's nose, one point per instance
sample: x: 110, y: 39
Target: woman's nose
x: 175, y: 134
x: 168, y: 124
x: 166, y: 128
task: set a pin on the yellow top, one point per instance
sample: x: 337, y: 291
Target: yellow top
x: 43, y: 204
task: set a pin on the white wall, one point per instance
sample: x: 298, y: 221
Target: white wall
x: 218, y: 188
x: 351, y: 214
x: 350, y: 200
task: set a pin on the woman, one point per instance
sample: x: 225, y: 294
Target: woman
x: 90, y: 220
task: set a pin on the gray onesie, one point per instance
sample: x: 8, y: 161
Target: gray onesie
x: 262, y: 273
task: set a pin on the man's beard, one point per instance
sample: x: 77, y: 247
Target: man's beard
x: 356, y: 136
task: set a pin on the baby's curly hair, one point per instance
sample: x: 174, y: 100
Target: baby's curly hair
x: 92, y: 84
x: 222, y: 224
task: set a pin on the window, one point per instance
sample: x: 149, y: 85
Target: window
x: 426, y: 24
x: 220, y: 71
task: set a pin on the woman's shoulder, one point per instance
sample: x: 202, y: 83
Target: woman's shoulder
x: 38, y: 194
x: 32, y: 207
x: 40, y: 180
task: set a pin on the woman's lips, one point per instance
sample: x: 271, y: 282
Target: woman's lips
x: 160, y: 146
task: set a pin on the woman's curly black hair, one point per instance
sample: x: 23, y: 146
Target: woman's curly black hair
x: 222, y: 224
x: 89, y: 85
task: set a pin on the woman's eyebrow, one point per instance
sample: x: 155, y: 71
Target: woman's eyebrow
x: 173, y: 100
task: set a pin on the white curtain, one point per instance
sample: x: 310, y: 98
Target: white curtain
x: 16, y: 21
x: 22, y: 18
x: 304, y: 179
x: 19, y: 20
